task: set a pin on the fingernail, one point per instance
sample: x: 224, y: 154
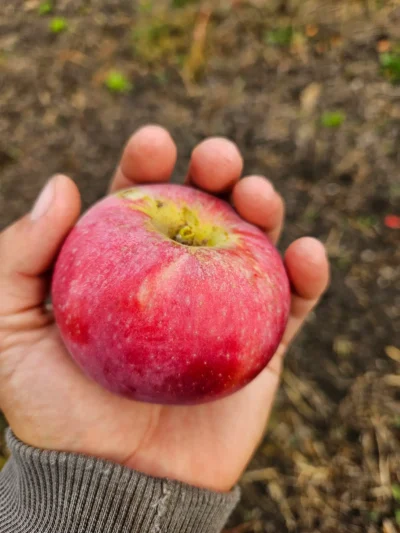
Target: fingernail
x: 44, y: 200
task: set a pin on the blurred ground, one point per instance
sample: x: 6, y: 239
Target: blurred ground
x: 308, y: 91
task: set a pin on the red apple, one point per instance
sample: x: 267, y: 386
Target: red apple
x: 162, y: 293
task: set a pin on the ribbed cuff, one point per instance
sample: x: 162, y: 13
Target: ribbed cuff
x: 47, y: 491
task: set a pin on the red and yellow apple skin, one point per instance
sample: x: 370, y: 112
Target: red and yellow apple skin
x: 163, y: 294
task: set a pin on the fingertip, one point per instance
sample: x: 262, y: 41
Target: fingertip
x: 216, y: 165
x: 149, y: 156
x: 67, y: 202
x: 29, y: 247
x: 250, y: 187
x: 50, y: 229
x: 59, y: 198
x: 256, y: 200
x: 308, y: 267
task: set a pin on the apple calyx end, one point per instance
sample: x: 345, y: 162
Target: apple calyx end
x: 178, y: 222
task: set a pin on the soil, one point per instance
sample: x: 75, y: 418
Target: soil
x: 307, y: 90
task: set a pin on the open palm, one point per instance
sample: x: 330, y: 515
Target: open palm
x: 51, y: 404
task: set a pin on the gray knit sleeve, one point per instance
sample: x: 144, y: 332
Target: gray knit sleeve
x: 53, y: 492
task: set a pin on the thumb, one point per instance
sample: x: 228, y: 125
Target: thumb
x: 29, y: 247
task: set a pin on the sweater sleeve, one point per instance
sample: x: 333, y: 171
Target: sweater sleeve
x: 49, y: 492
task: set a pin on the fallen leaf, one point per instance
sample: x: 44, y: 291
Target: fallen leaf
x: 336, y: 40
x: 392, y: 222
x: 393, y: 380
x: 393, y: 353
x: 310, y: 96
x: 311, y: 30
x: 388, y: 527
x: 383, y: 46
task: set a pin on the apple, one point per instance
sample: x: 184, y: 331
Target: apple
x: 163, y: 294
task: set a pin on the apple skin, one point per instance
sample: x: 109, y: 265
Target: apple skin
x: 162, y: 321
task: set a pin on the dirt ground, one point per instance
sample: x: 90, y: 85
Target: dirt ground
x: 308, y: 91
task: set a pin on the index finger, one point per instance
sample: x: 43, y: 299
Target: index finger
x: 148, y: 157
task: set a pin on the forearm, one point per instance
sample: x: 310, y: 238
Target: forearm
x: 46, y: 491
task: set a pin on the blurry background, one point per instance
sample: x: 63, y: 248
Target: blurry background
x: 308, y: 89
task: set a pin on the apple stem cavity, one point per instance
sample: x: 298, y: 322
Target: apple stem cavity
x: 179, y: 223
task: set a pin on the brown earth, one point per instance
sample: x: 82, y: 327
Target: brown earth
x: 269, y: 75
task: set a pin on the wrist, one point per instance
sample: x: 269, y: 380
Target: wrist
x: 189, y: 470
x: 71, y: 491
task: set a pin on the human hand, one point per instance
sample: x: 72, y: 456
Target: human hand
x: 49, y: 403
